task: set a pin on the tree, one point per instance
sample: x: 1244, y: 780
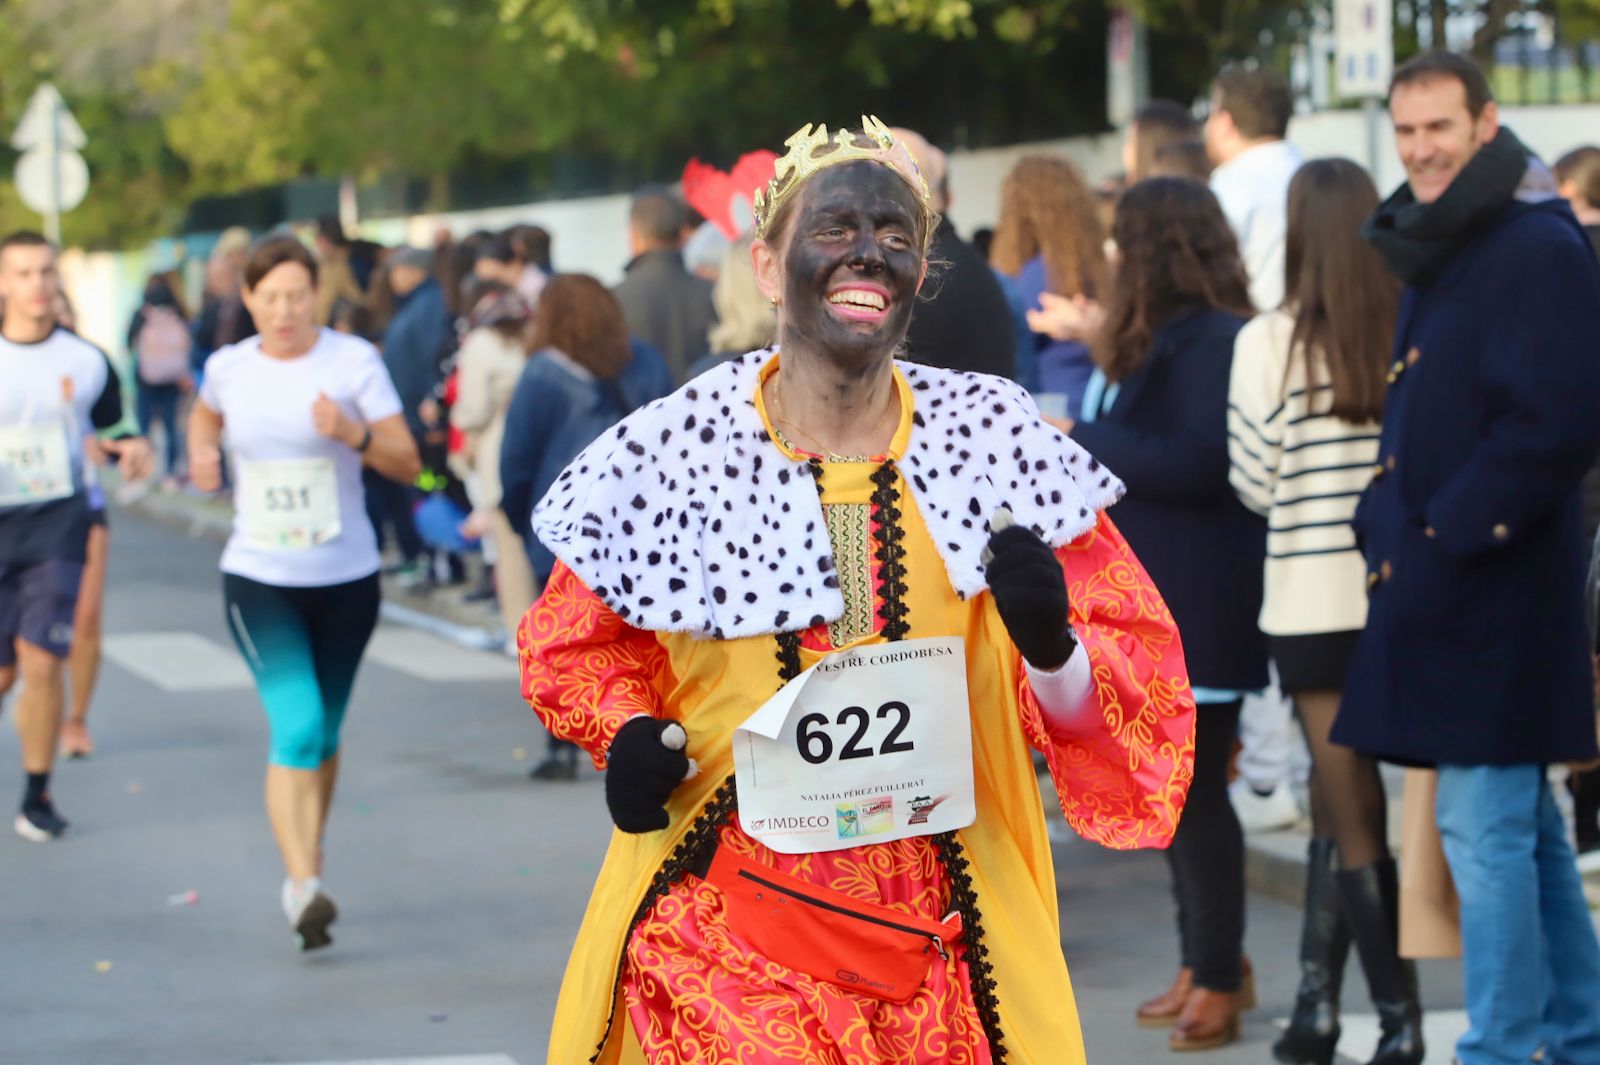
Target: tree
x: 137, y: 185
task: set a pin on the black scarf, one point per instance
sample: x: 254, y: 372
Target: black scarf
x: 1418, y: 239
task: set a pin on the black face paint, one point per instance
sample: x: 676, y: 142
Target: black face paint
x: 854, y: 239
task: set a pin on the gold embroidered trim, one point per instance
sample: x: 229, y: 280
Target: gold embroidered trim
x: 850, y: 532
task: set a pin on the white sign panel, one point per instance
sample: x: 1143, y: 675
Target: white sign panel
x: 867, y: 746
x: 35, y: 174
x: 1365, y: 32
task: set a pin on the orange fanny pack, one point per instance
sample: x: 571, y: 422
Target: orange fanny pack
x: 861, y: 946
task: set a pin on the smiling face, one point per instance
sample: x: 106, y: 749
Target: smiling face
x: 1436, y: 133
x: 849, y: 267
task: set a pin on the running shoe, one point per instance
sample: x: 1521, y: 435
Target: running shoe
x: 75, y: 741
x: 40, y: 824
x: 555, y: 768
x: 1264, y: 813
x: 310, y: 911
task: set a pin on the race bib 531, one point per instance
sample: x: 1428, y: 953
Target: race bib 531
x: 288, y: 503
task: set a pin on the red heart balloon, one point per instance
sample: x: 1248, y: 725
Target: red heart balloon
x: 725, y: 199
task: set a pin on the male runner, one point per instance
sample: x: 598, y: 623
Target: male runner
x: 55, y: 390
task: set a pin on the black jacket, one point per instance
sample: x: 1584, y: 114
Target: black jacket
x: 962, y: 320
x: 668, y: 308
x: 1166, y: 437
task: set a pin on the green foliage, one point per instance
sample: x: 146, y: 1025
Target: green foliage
x: 283, y: 89
x: 136, y: 183
x: 293, y: 87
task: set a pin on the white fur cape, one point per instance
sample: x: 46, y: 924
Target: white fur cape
x: 687, y: 517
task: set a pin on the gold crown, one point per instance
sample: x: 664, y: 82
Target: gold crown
x: 803, y: 161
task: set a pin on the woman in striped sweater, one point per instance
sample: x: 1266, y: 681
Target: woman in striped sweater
x: 1304, y: 399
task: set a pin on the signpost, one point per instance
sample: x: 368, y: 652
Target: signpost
x: 51, y: 176
x: 1365, y: 50
x: 1127, y: 70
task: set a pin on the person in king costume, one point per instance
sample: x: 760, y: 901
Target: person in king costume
x: 819, y: 502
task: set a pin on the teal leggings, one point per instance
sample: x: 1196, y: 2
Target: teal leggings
x: 304, y: 646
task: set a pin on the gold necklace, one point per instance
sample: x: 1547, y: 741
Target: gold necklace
x: 827, y: 453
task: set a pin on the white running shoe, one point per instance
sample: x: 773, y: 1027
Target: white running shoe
x: 40, y: 824
x: 1263, y: 813
x: 310, y: 911
x: 1589, y: 861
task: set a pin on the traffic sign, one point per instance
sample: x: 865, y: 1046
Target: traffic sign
x: 46, y: 107
x: 51, y: 176
x: 1365, y: 31
x: 35, y: 177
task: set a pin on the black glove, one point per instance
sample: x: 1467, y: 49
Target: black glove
x: 1030, y: 593
x: 643, y: 765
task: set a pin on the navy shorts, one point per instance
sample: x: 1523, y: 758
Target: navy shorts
x: 37, y: 604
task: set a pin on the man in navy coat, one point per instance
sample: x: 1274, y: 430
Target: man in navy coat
x: 1475, y: 657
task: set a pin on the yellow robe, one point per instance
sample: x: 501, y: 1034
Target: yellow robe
x: 1122, y: 783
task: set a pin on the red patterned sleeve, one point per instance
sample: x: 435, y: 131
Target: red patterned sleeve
x: 584, y: 670
x: 1123, y: 784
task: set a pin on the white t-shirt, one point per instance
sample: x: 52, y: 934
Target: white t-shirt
x: 63, y: 388
x: 265, y: 405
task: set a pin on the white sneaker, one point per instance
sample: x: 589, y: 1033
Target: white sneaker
x: 1263, y: 813
x: 1589, y: 862
x: 310, y: 911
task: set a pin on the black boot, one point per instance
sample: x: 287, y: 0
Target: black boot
x: 1313, y: 1030
x: 1372, y: 905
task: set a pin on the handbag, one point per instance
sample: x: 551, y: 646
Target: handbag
x: 826, y: 934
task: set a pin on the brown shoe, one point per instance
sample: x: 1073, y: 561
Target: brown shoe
x: 1247, y: 986
x: 1210, y: 1019
x: 1162, y: 1011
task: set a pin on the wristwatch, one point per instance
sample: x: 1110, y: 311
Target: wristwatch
x: 366, y: 439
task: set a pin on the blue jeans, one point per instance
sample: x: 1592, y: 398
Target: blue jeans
x: 159, y: 403
x: 1531, y: 960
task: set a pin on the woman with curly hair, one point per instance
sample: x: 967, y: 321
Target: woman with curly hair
x: 1050, y: 239
x: 1156, y: 412
x: 584, y: 376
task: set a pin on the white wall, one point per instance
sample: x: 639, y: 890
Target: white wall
x: 591, y: 236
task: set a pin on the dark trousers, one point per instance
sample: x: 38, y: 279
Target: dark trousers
x: 1207, y: 858
x: 389, y: 505
x: 1585, y: 788
x: 159, y: 403
x: 304, y: 645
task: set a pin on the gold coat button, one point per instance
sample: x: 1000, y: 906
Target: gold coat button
x: 1386, y: 571
x: 1377, y: 469
x: 1372, y: 581
x: 1412, y: 356
x: 1389, y: 463
x: 1501, y: 532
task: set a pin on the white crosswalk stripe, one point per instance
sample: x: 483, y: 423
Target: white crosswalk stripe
x: 178, y: 661
x: 426, y: 657
x: 188, y: 662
